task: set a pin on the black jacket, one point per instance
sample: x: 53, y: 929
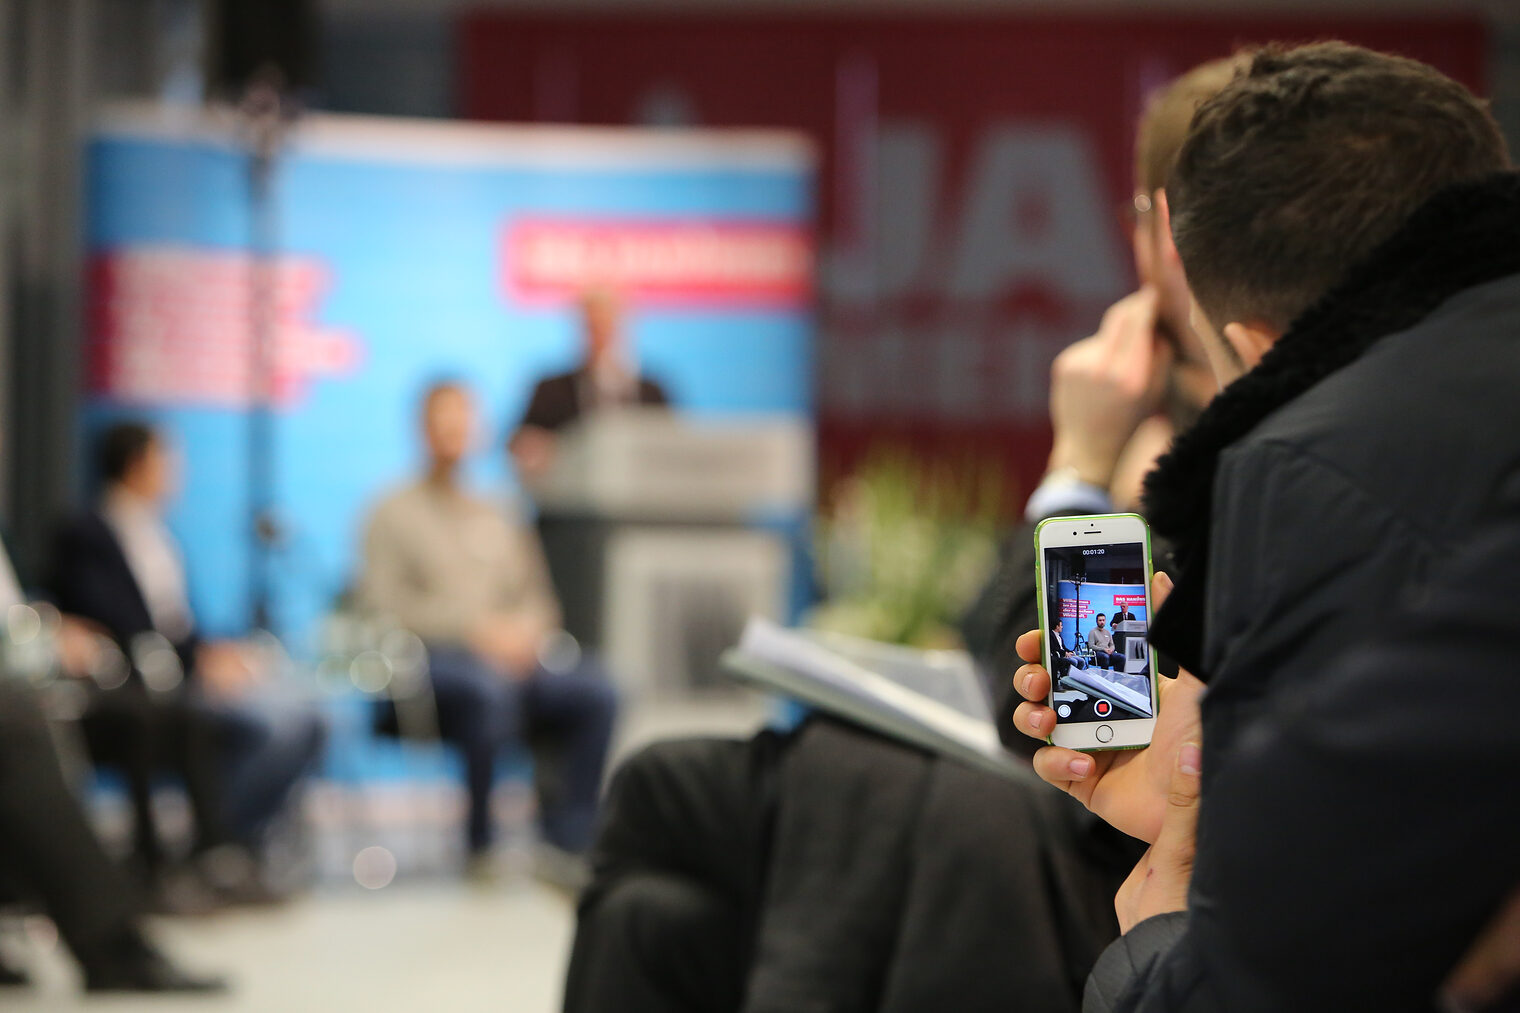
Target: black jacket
x: 1324, y: 488
x: 1363, y: 830
x: 556, y: 400
x: 88, y: 576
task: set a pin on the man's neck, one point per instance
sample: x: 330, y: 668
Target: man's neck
x: 124, y: 498
x: 443, y: 475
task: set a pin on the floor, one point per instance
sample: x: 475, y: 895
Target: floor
x: 412, y: 946
x: 421, y: 942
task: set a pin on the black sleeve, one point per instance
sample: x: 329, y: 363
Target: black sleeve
x: 544, y: 410
x: 1363, y: 830
x: 1125, y: 965
x: 86, y: 580
x: 1005, y: 610
x: 652, y: 394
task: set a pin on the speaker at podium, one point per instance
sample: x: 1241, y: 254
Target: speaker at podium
x: 661, y: 536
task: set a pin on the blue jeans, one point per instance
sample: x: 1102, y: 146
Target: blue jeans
x: 567, y: 717
x: 1108, y: 659
x: 269, y: 746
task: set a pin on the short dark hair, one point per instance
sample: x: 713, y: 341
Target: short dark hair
x: 1307, y: 162
x: 1164, y: 122
x: 120, y: 447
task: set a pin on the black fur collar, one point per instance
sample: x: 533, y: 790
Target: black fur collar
x: 1465, y: 236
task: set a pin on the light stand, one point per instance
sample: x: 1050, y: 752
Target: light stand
x: 266, y: 118
x: 1078, y: 580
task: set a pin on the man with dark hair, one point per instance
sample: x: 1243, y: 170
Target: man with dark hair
x: 835, y: 869
x: 121, y: 447
x: 1350, y: 228
x: 189, y: 705
x: 1101, y: 641
x: 459, y: 572
x: 1063, y: 656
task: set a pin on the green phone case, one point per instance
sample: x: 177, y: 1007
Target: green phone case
x: 1039, y: 581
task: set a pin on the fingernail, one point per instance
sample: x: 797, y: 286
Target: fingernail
x: 1190, y: 760
x: 1028, y: 678
x: 1080, y: 766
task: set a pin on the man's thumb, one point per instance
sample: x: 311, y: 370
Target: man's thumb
x: 1185, y: 777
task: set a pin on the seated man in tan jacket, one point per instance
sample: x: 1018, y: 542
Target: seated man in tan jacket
x: 453, y: 568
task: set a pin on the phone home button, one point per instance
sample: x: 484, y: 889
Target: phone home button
x: 1104, y: 733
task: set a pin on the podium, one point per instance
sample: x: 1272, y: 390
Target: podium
x: 663, y: 534
x: 1136, y: 649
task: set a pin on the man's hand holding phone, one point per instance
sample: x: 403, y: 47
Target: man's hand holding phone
x: 1127, y: 789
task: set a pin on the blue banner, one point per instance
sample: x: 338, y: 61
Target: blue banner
x: 408, y: 252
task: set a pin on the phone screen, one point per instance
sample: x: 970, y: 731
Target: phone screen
x: 1095, y: 609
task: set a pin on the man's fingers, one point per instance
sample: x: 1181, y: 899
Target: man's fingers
x: 1179, y: 827
x: 1492, y: 966
x: 1061, y: 767
x: 1133, y: 342
x: 1032, y: 683
x: 1161, y: 588
x: 1185, y: 778
x: 1029, y: 646
x: 1034, y: 719
x: 1162, y: 355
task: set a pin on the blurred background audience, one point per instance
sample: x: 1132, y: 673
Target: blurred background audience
x: 808, y: 310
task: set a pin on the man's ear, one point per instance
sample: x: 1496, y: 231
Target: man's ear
x: 1166, y: 249
x: 1250, y: 341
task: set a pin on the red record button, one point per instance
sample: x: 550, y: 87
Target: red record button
x: 1103, y: 708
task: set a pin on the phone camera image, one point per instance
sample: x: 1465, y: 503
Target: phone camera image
x: 1100, y: 660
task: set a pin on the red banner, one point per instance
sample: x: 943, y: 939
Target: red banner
x: 972, y: 171
x: 172, y: 325
x: 664, y: 262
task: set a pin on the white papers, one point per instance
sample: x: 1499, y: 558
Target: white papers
x: 931, y: 699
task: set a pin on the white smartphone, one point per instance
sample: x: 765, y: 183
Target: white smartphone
x: 1094, y: 577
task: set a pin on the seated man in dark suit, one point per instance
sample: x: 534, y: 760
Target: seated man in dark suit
x: 607, y: 378
x: 187, y: 706
x: 1063, y: 657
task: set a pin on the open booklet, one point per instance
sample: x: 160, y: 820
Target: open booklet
x: 934, y: 700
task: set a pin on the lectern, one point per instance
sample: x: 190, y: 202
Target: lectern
x: 664, y: 533
x: 1137, y: 654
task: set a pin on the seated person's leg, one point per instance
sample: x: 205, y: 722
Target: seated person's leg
x: 44, y: 832
x: 695, y: 812
x: 189, y: 742
x: 578, y: 709
x: 117, y: 728
x: 475, y: 712
x: 48, y: 850
x: 658, y: 942
x: 268, y: 750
